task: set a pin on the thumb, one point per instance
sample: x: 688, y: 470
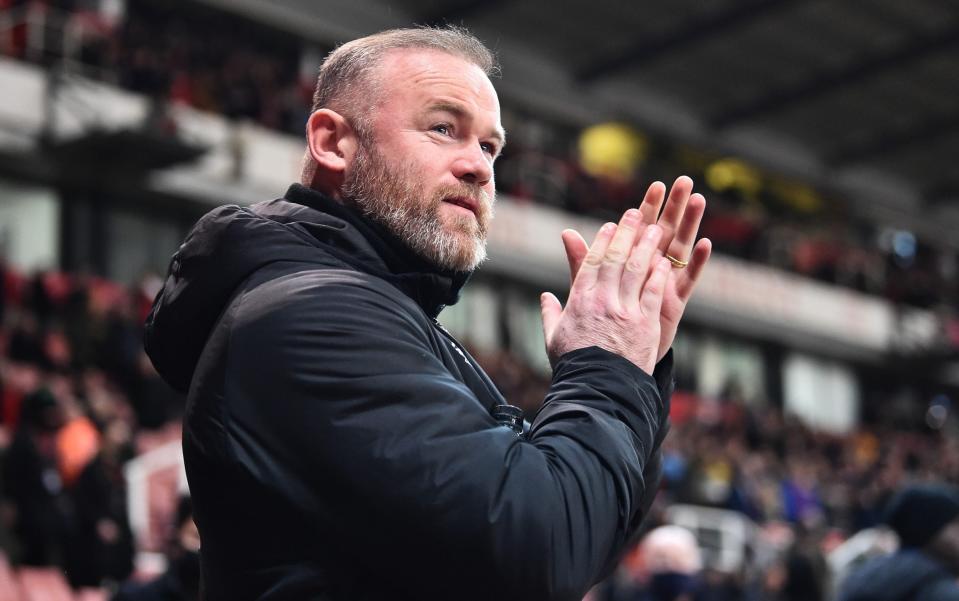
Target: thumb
x: 551, y: 310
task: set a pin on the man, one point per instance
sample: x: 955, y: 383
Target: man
x: 339, y: 443
x: 664, y: 567
x: 926, y: 566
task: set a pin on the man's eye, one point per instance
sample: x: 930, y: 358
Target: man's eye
x: 488, y: 148
x: 443, y: 128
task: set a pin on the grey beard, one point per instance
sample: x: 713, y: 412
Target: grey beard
x: 392, y: 198
x: 426, y: 236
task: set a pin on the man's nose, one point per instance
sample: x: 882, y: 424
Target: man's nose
x: 473, y: 166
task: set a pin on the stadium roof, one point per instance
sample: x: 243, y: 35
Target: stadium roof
x: 859, y: 98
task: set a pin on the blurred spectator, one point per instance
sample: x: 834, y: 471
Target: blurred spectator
x: 670, y: 562
x: 68, y: 373
x: 181, y: 580
x: 800, y: 495
x: 33, y: 482
x: 802, y: 576
x: 926, y: 518
x: 101, y: 543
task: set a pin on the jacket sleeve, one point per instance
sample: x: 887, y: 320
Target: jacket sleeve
x: 388, y: 454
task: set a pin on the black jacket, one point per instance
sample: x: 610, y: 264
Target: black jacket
x: 907, y: 575
x: 339, y: 443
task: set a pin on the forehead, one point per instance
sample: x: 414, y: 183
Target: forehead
x: 418, y: 76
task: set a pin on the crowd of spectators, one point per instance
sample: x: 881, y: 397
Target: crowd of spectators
x: 806, y: 490
x: 200, y: 57
x: 190, y: 54
x: 195, y: 59
x: 766, y: 220
x: 771, y: 467
x: 78, y: 397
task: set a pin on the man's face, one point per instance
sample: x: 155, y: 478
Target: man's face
x: 427, y: 171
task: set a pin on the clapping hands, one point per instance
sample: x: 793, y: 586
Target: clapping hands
x: 624, y: 282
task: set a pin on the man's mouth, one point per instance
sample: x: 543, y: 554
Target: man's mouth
x: 463, y: 201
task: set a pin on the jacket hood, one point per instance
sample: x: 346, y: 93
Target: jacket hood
x: 230, y: 243
x: 893, y: 577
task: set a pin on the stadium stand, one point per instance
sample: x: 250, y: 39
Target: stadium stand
x: 188, y: 55
x: 803, y: 489
x: 88, y: 432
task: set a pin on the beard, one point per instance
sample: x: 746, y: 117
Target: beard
x: 394, y: 197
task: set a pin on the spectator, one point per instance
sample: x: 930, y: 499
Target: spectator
x: 927, y: 564
x: 673, y: 561
x: 101, y: 543
x: 33, y: 481
x: 182, y: 578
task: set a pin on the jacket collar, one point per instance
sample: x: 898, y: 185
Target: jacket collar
x: 386, y: 256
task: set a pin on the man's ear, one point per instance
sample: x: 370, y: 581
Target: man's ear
x: 331, y: 141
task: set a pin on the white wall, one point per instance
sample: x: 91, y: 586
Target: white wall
x: 823, y: 394
x: 720, y: 361
x: 29, y: 226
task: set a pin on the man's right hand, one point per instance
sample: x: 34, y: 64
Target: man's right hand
x: 616, y: 297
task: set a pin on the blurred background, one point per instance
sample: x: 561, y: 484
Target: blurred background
x: 818, y: 365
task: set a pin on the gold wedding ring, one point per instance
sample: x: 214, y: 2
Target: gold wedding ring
x: 676, y: 262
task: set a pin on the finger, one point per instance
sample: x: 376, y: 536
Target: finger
x: 576, y: 249
x: 685, y: 238
x: 551, y: 310
x: 691, y: 274
x: 620, y: 246
x: 651, y: 300
x: 589, y: 268
x: 674, y: 209
x: 653, y: 202
x: 637, y: 266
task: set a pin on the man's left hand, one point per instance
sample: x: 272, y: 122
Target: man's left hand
x: 680, y: 221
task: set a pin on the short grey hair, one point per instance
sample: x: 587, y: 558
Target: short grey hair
x: 344, y: 78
